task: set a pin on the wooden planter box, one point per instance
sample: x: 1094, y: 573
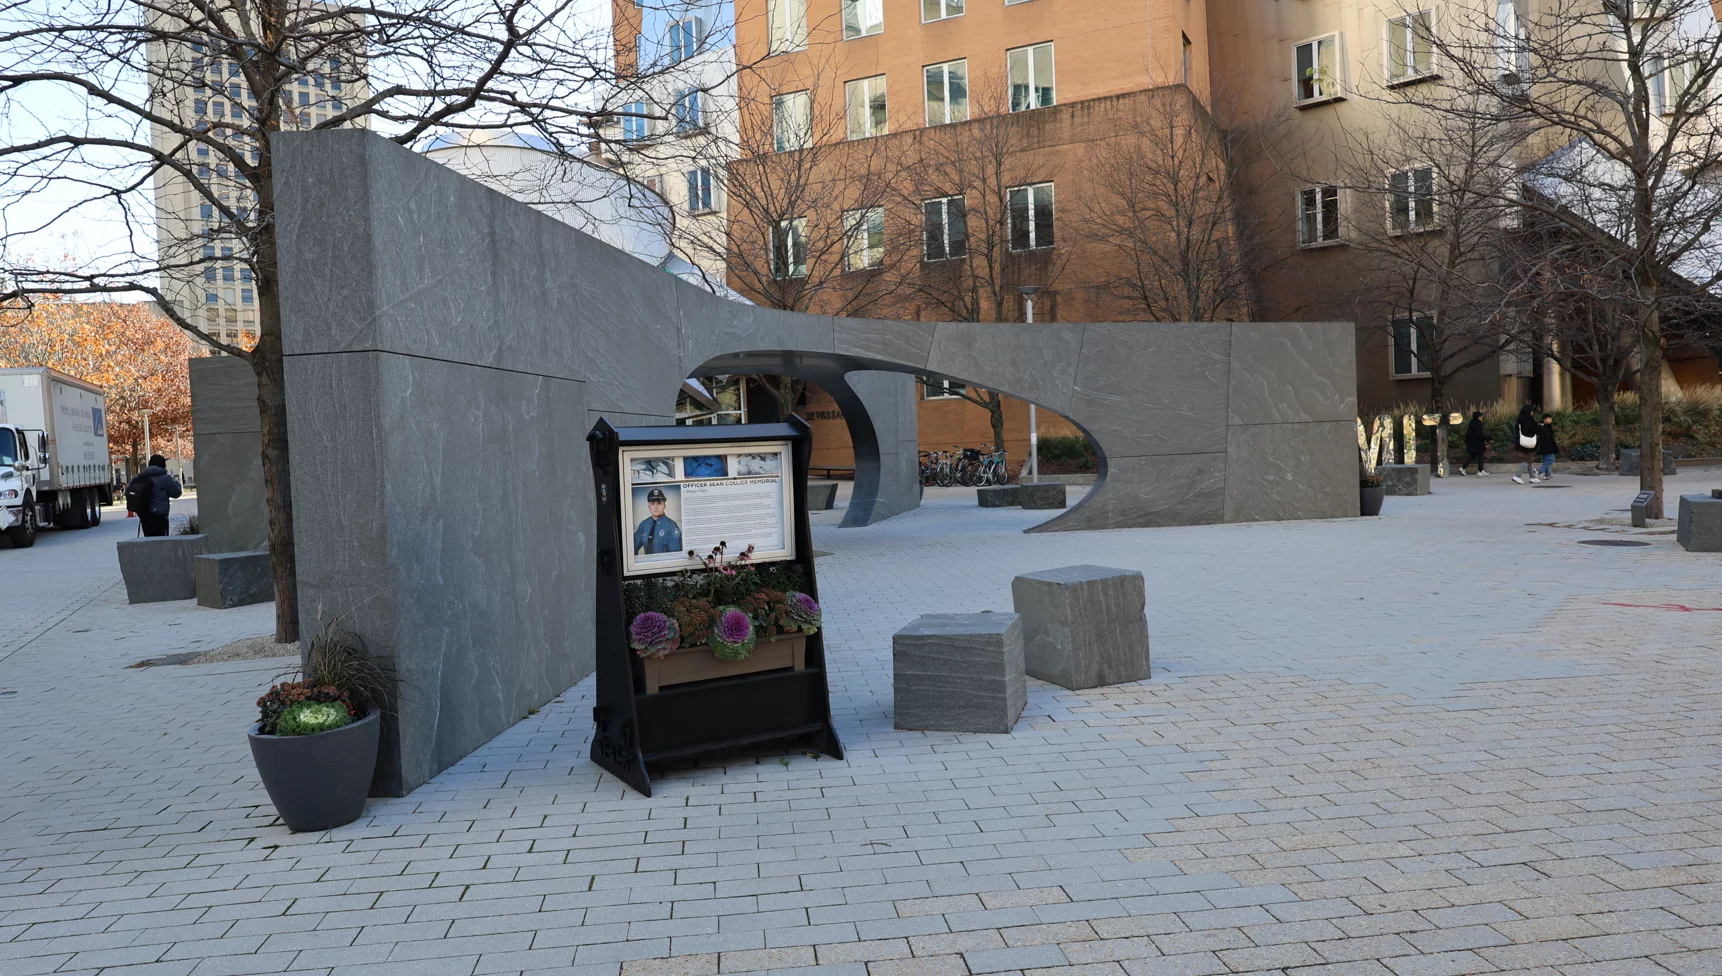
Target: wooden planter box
x: 698, y: 663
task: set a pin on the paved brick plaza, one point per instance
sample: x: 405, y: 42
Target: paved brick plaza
x: 1450, y: 740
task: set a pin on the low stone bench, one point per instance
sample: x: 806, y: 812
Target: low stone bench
x: 234, y: 579
x: 1630, y: 461
x: 1699, y: 528
x: 1083, y: 626
x: 997, y: 496
x: 959, y: 672
x: 1040, y: 495
x: 1404, y: 479
x: 821, y: 496
x: 160, y: 568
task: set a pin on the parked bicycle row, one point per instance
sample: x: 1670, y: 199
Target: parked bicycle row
x: 966, y: 466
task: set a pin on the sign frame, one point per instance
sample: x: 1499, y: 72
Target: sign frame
x: 634, y: 732
x: 731, y: 456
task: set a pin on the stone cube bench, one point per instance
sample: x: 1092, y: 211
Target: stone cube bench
x: 821, y: 496
x: 1042, y: 495
x: 997, y: 496
x: 1404, y: 479
x: 1630, y: 459
x: 1699, y: 528
x: 233, y: 579
x: 1084, y: 626
x: 959, y: 672
x: 160, y: 568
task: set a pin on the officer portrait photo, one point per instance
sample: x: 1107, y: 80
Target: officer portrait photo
x: 659, y: 534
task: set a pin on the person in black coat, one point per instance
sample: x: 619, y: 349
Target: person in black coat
x: 1546, y: 445
x: 1525, y: 434
x: 150, y: 495
x: 1476, y: 443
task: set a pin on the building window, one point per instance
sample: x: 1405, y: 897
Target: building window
x: 865, y: 107
x: 1668, y: 83
x: 206, y: 211
x: 1411, y: 345
x: 199, y: 106
x: 687, y: 110
x: 245, y: 295
x: 789, y: 249
x: 788, y: 25
x: 635, y: 125
x: 227, y: 274
x: 1030, y: 217
x: 792, y: 121
x: 209, y: 250
x: 209, y: 272
x: 1410, y: 49
x: 1031, y: 84
x: 684, y: 39
x: 862, y: 18
x: 305, y: 98
x: 245, y: 275
x: 863, y: 238
x: 1411, y: 200
x: 1318, y: 215
x: 945, y: 226
x: 211, y: 298
x: 940, y: 9
x: 1318, y: 69
x: 941, y: 390
x: 699, y: 190
x: 947, y: 92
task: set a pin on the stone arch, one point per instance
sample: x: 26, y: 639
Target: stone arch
x: 447, y: 348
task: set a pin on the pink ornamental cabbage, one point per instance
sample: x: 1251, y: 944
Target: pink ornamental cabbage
x: 804, y: 612
x: 653, y: 634
x: 733, y: 636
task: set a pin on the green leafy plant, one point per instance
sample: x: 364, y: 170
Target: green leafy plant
x: 191, y: 526
x: 311, y: 717
x: 337, y: 670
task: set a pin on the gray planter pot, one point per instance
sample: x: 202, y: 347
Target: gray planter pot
x: 318, y: 781
x: 1371, y: 498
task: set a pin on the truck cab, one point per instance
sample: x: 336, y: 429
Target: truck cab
x: 23, y: 461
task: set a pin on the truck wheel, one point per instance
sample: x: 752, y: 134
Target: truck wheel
x: 95, y: 501
x: 23, y: 535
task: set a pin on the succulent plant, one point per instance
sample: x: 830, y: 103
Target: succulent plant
x: 803, y: 611
x: 732, y: 636
x: 311, y: 717
x: 654, y: 635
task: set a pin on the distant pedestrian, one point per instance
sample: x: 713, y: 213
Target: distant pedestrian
x: 1525, y: 433
x: 150, y: 495
x: 1546, y: 445
x: 1476, y: 443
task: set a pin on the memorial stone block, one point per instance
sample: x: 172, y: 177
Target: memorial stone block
x: 1699, y: 528
x: 160, y: 568
x: 998, y: 496
x: 821, y: 496
x: 1040, y: 495
x: 1083, y: 626
x: 1629, y: 461
x: 233, y: 579
x: 959, y: 672
x: 1404, y: 479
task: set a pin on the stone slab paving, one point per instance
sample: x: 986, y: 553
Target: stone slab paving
x: 1448, y: 740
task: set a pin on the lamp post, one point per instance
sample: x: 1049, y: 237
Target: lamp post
x: 146, y: 414
x: 1028, y: 293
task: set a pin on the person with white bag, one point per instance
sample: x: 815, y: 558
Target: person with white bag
x: 1525, y: 430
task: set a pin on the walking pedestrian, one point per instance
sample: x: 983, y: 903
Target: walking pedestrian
x: 1476, y: 443
x: 150, y: 495
x: 1546, y: 445
x: 1525, y: 431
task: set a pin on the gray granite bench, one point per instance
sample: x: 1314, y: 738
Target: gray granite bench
x: 959, y: 672
x: 1083, y: 626
x: 821, y: 496
x: 1630, y: 458
x: 1404, y: 479
x: 159, y: 568
x: 1699, y: 528
x: 1042, y: 495
x: 234, y: 579
x: 997, y: 496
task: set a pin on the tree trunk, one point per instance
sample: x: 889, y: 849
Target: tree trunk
x: 1650, y: 411
x: 995, y: 410
x: 277, y: 487
x: 1438, y: 399
x: 1605, y: 446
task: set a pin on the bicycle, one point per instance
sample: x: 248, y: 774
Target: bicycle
x: 968, y: 466
x: 994, y: 470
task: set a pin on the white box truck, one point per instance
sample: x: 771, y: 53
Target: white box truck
x: 54, y: 466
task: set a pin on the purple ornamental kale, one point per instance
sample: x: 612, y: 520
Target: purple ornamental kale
x: 804, y: 612
x: 654, y: 635
x: 733, y: 637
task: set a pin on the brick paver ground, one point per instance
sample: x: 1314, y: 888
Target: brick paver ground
x: 1449, y: 740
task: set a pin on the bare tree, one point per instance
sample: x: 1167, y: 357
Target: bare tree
x: 1626, y: 95
x: 1170, y: 219
x: 109, y: 100
x: 1432, y: 192
x: 986, y: 200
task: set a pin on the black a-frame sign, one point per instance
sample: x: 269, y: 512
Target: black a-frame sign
x: 635, y: 730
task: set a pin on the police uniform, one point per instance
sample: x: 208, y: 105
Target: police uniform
x: 657, y: 535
